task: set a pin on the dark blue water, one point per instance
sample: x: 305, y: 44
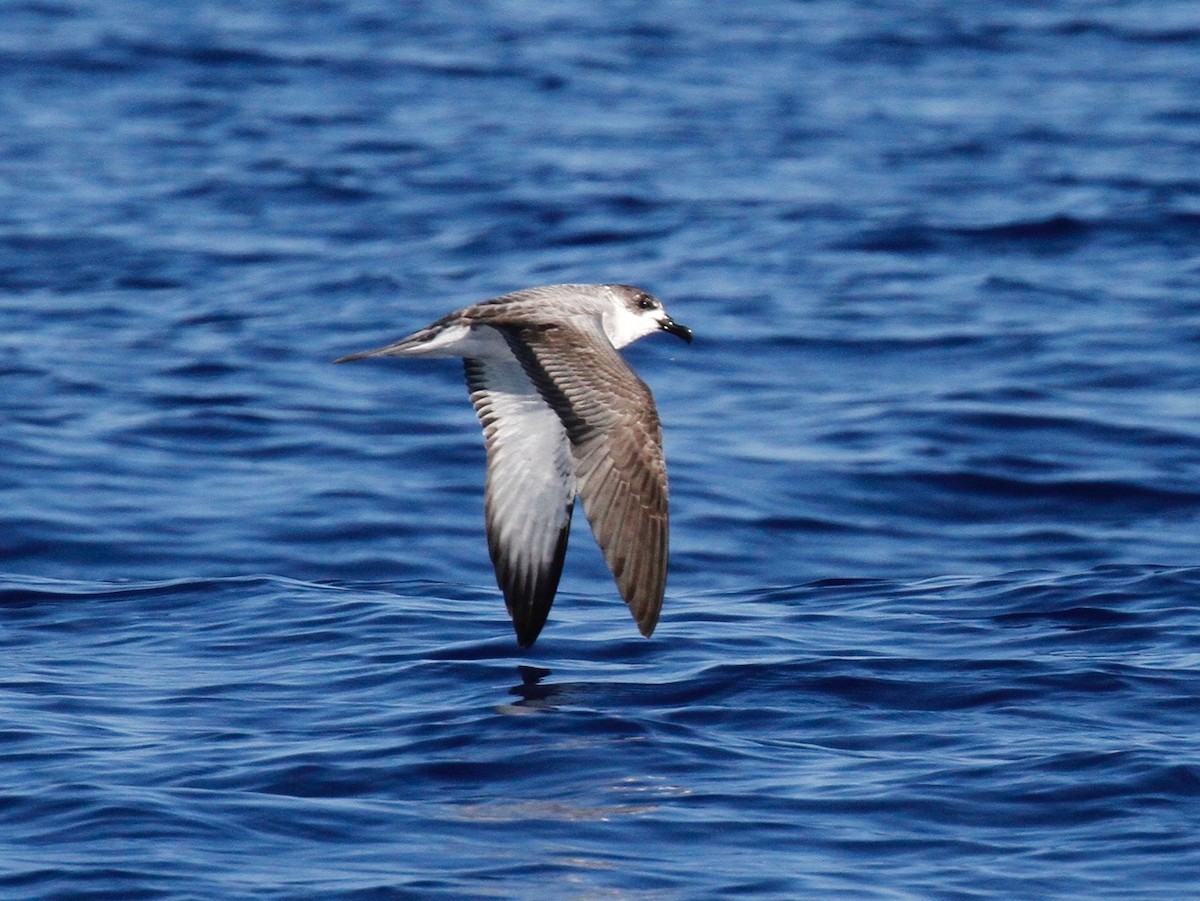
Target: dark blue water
x: 932, y: 628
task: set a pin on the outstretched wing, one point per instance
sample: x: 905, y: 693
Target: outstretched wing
x: 615, y: 437
x: 530, y: 490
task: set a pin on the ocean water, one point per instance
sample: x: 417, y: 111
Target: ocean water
x: 932, y: 627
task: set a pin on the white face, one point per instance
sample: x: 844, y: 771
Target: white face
x: 632, y: 314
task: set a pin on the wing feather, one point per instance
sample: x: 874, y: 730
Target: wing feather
x: 609, y: 417
x: 530, y: 491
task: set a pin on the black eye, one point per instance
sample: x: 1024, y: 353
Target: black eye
x: 645, y: 302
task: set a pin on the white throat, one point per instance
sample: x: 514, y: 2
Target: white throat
x: 623, y: 326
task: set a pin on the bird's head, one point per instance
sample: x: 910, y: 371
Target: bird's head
x: 635, y: 313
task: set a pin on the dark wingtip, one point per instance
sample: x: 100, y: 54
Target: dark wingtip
x: 527, y: 632
x: 648, y: 621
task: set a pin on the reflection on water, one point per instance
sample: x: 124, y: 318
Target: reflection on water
x: 534, y: 694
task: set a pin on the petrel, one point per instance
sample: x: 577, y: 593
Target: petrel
x: 562, y: 415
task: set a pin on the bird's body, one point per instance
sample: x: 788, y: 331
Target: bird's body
x: 562, y: 415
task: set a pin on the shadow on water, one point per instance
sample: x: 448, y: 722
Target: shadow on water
x: 533, y: 693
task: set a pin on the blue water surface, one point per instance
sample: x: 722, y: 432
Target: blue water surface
x: 932, y: 628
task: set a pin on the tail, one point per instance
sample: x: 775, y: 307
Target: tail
x: 410, y: 345
x: 350, y: 358
x: 438, y: 340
